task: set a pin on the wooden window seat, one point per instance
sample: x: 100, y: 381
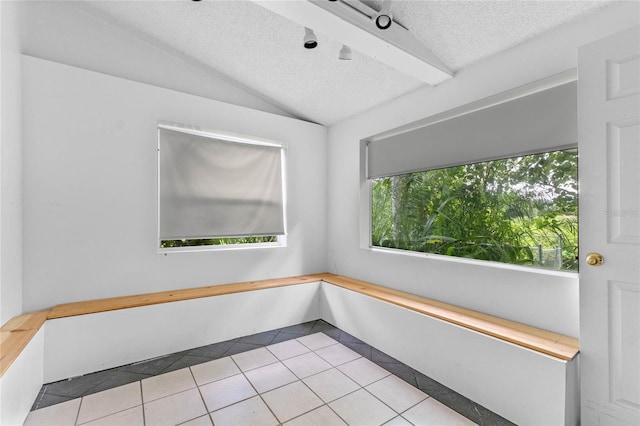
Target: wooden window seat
x: 17, y: 333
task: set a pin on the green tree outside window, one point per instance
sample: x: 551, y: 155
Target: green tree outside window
x: 521, y: 210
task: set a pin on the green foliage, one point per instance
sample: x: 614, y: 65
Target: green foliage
x: 519, y: 210
x: 217, y: 241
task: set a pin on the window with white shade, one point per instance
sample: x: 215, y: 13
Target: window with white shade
x: 493, y: 182
x: 219, y: 188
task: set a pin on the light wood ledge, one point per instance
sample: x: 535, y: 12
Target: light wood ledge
x: 16, y: 334
x: 544, y: 341
x: 114, y: 303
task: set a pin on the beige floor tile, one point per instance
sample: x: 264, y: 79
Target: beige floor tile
x: 362, y: 408
x: 174, y: 409
x: 306, y: 365
x: 109, y: 402
x: 316, y: 341
x: 222, y: 393
x: 432, y: 412
x: 396, y: 393
x: 322, y: 416
x: 337, y: 354
x: 157, y: 387
x: 288, y: 349
x: 63, y: 414
x: 363, y: 371
x: 270, y: 377
x: 131, y: 417
x: 252, y: 411
x: 214, y: 370
x: 291, y: 401
x: 254, y: 359
x: 311, y: 380
x: 331, y: 384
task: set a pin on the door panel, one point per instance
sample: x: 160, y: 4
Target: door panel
x: 609, y: 171
x: 623, y: 153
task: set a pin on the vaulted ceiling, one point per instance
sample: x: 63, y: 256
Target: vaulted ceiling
x: 262, y: 51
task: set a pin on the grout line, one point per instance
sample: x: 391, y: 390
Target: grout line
x: 115, y: 412
x: 334, y: 412
x: 258, y: 394
x: 204, y: 403
x: 384, y: 403
x: 174, y: 392
x: 144, y: 418
x: 317, y: 396
x: 416, y: 404
x: 78, y: 413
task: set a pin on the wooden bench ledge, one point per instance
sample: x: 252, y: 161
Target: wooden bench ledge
x: 16, y: 334
x: 544, y: 341
x: 115, y: 303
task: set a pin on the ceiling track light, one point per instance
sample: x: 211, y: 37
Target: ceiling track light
x: 345, y: 53
x: 384, y: 18
x: 310, y: 39
x: 351, y: 22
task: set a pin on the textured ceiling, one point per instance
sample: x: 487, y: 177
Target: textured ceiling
x: 263, y: 51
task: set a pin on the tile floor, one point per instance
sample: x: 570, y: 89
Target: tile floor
x: 310, y: 374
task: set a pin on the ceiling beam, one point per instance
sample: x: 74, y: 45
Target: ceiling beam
x: 350, y: 23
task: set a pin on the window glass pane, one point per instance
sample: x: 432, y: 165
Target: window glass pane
x: 217, y: 241
x: 521, y: 210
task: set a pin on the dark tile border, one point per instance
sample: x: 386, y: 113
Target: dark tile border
x: 76, y: 387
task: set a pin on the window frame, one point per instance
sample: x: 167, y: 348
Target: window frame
x: 365, y: 183
x: 281, y: 240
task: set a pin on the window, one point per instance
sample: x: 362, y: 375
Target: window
x: 217, y: 189
x: 495, y: 180
x: 520, y: 210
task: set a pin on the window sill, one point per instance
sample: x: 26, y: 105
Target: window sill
x: 475, y: 262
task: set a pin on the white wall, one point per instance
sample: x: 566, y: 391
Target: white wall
x: 72, y: 33
x: 86, y: 343
x: 90, y: 191
x: 10, y: 164
x: 545, y: 300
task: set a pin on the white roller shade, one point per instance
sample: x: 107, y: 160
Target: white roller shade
x: 211, y: 187
x: 539, y: 122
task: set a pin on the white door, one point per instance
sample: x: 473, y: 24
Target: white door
x: 609, y: 168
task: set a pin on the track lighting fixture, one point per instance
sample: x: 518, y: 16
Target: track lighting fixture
x: 310, y: 40
x: 384, y: 18
x: 345, y: 53
x: 352, y: 23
